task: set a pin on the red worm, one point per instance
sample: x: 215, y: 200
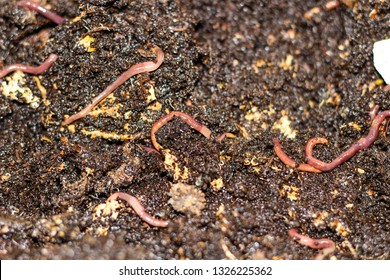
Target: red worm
x: 29, y: 69
x: 150, y: 150
x: 43, y: 11
x: 373, y: 112
x: 328, y: 245
x: 361, y: 144
x: 133, y: 70
x: 139, y: 209
x: 184, y: 117
x: 289, y: 161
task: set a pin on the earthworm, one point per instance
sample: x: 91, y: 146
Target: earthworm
x: 133, y: 70
x: 326, y: 244
x: 150, y: 150
x: 373, y: 112
x: 139, y: 209
x: 361, y: 144
x: 221, y: 137
x: 289, y: 161
x: 184, y: 117
x: 43, y: 11
x: 29, y: 69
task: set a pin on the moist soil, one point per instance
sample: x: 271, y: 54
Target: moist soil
x: 258, y: 70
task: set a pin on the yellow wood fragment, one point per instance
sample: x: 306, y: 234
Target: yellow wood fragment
x: 13, y: 88
x: 156, y: 106
x: 286, y: 64
x: 107, y: 135
x: 78, y: 18
x: 42, y: 89
x: 217, y: 184
x: 361, y: 171
x: 5, y: 177
x: 171, y: 163
x: 313, y: 11
x: 340, y: 228
x: 220, y: 210
x: 86, y: 43
x: 291, y: 192
x: 47, y: 139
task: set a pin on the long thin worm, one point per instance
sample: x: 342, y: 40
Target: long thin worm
x: 184, y: 117
x: 29, y: 69
x: 134, y: 203
x: 361, y: 144
x: 373, y: 112
x: 42, y: 10
x: 289, y: 161
x: 221, y: 137
x: 326, y: 244
x: 133, y: 70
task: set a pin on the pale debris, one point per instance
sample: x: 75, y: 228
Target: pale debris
x: 171, y: 163
x: 187, y: 199
x: 106, y: 209
x: 290, y: 191
x: 284, y: 126
x: 86, y: 42
x: 217, y: 184
x: 13, y: 89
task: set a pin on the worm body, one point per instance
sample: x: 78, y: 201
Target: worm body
x: 139, y: 209
x: 41, y: 10
x: 133, y: 70
x: 289, y: 161
x: 150, y: 150
x: 373, y: 112
x: 221, y: 137
x: 184, y: 117
x: 327, y: 245
x: 29, y: 69
x: 361, y: 144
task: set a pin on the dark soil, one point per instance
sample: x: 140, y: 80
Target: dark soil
x: 256, y: 69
